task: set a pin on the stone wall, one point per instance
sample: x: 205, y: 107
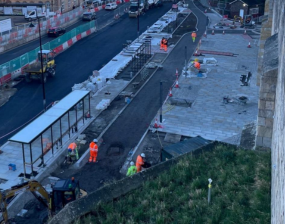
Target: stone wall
x: 278, y: 137
x: 267, y: 93
x: 74, y: 210
x: 264, y: 34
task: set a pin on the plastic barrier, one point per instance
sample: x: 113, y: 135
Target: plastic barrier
x: 15, y: 67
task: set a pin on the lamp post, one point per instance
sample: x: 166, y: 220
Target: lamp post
x: 42, y: 67
x: 138, y: 25
x: 160, y: 117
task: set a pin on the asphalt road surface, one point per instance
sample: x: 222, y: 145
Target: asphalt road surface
x: 73, y: 66
x: 102, y: 16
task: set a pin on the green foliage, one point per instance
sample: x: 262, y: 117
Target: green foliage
x: 240, y: 192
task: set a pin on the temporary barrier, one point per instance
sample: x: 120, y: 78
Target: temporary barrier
x: 24, y: 31
x: 15, y: 67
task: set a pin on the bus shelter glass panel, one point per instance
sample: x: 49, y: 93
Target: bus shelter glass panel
x: 86, y: 107
x: 36, y: 152
x: 56, y: 136
x: 73, y: 119
x: 26, y: 158
x: 47, y: 144
x: 80, y: 115
x: 65, y: 127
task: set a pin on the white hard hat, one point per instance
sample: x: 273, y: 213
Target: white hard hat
x: 132, y: 163
x: 142, y: 155
x: 95, y: 140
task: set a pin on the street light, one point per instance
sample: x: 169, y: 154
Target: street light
x: 42, y: 67
x: 138, y: 25
x: 160, y: 99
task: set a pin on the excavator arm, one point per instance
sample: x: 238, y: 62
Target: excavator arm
x: 33, y: 186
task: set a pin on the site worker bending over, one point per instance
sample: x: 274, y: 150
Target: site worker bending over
x: 72, y: 150
x: 132, y: 169
x: 93, y: 147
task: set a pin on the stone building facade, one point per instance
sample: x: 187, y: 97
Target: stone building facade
x: 271, y: 117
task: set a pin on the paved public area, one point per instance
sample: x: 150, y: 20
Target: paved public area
x: 208, y: 116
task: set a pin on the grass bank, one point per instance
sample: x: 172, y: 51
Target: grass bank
x: 240, y: 192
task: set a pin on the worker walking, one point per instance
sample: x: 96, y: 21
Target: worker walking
x: 140, y: 162
x: 132, y: 169
x: 194, y: 35
x: 93, y: 147
x: 72, y: 151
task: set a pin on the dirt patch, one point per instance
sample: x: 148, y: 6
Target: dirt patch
x: 6, y: 91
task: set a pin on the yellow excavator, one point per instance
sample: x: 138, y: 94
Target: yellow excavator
x: 61, y: 193
x: 34, y: 70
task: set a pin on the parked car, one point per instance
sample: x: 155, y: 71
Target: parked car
x: 55, y: 31
x: 89, y: 16
x: 111, y: 6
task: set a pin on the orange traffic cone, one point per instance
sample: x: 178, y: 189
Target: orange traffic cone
x: 205, y: 34
x: 244, y: 32
x: 196, y: 53
x: 223, y: 32
x: 213, y: 32
x: 176, y: 84
x: 176, y: 73
x: 170, y: 93
x: 248, y: 46
x: 156, y: 124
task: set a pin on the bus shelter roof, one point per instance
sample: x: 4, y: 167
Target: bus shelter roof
x: 29, y: 133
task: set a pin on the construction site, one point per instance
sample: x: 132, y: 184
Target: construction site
x: 155, y: 101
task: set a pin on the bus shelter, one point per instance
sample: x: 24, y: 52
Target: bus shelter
x: 43, y: 138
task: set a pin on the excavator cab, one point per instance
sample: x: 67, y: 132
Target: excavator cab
x: 63, y: 192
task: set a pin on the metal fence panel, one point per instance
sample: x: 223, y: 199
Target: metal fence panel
x: 15, y: 64
x: 24, y: 59
x: 46, y: 46
x: 29, y: 57
x: 5, y: 69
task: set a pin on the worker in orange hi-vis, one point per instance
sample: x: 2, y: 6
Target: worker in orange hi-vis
x: 162, y: 43
x: 193, y: 35
x: 197, y: 64
x: 93, y: 147
x: 140, y: 162
x: 165, y: 44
